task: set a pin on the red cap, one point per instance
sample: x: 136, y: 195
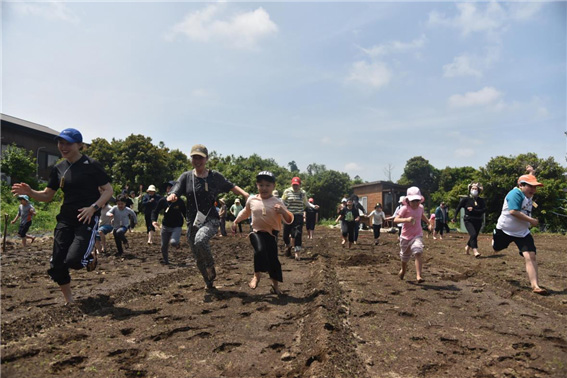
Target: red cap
x: 296, y: 181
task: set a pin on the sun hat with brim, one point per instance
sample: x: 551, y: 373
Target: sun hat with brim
x: 401, y: 200
x: 237, y: 201
x: 266, y: 175
x: 413, y: 194
x: 200, y: 150
x: 24, y: 197
x: 71, y: 136
x: 296, y: 181
x: 530, y: 180
x: 151, y: 188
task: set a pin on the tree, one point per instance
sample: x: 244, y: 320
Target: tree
x: 138, y: 161
x: 327, y: 187
x: 293, y: 166
x: 388, y: 172
x: 418, y: 172
x: 19, y: 164
x: 104, y: 152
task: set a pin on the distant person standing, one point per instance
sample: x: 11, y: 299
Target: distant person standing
x: 475, y: 208
x: 361, y: 211
x: 295, y: 199
x: 25, y: 213
x: 440, y: 220
x: 201, y: 186
x: 149, y: 203
x: 79, y: 177
x: 377, y: 217
x: 311, y: 218
x: 173, y: 218
x: 235, y: 209
x: 222, y: 216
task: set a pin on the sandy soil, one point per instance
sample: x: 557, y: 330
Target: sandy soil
x: 345, y: 313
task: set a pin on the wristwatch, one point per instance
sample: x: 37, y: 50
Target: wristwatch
x: 96, y: 207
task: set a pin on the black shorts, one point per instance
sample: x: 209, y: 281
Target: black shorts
x: 501, y: 240
x: 24, y: 228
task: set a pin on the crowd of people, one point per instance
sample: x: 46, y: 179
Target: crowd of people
x: 86, y: 217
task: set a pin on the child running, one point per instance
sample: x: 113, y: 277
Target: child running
x: 25, y: 212
x: 349, y: 215
x: 411, y: 238
x: 377, y: 216
x: 121, y: 221
x: 514, y: 225
x: 267, y: 213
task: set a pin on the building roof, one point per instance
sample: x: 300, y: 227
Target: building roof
x: 388, y: 184
x: 28, y: 124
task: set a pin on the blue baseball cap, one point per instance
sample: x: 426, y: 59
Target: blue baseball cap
x: 24, y: 197
x: 71, y: 136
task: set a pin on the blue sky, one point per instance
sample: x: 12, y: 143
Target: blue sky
x: 357, y: 87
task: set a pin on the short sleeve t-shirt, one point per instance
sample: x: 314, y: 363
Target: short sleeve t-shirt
x: 264, y: 215
x: 206, y: 191
x: 509, y: 224
x: 349, y: 215
x: 25, y: 212
x: 79, y: 182
x: 409, y: 230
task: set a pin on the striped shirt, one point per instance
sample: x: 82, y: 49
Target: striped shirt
x: 295, y: 202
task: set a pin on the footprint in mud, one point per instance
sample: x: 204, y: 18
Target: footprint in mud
x: 126, y: 331
x: 368, y: 314
x: 177, y: 298
x: 278, y: 347
x: 226, y: 347
x: 127, y: 356
x: 202, y: 335
x: 406, y: 314
x: 245, y: 314
x: 523, y: 345
x: 59, y: 366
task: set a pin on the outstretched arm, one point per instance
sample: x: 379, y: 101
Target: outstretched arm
x: 22, y: 188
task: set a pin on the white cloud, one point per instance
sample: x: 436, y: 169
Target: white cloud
x: 49, y: 10
x: 462, y: 65
x: 464, y: 152
x: 353, y: 167
x: 396, y: 47
x: 483, y: 97
x: 243, y: 30
x: 375, y: 74
x: 491, y: 18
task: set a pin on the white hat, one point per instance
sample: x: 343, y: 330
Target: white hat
x: 151, y: 188
x: 401, y: 200
x: 414, y: 194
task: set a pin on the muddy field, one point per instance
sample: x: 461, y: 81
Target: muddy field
x: 344, y: 313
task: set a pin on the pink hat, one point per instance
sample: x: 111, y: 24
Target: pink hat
x: 311, y: 200
x: 414, y: 194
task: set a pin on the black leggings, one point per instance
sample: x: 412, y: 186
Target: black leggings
x: 266, y: 254
x: 473, y: 228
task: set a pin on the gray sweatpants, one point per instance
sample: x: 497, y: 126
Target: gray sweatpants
x: 169, y: 235
x: 199, y: 243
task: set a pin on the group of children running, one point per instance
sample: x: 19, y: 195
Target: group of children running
x: 267, y: 212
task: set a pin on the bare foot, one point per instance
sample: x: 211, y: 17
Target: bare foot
x: 275, y: 290
x: 420, y: 280
x: 467, y: 248
x: 540, y: 291
x: 253, y: 284
x: 476, y: 254
x: 401, y: 274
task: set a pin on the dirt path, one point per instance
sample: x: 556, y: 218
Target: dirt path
x: 345, y: 314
